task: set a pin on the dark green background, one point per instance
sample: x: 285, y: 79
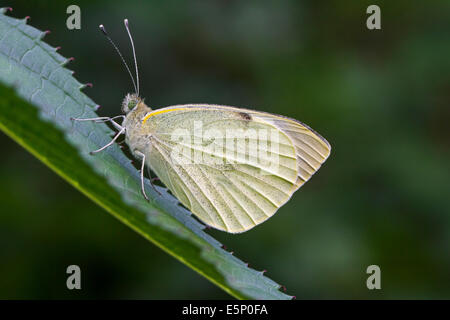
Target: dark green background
x: 381, y: 98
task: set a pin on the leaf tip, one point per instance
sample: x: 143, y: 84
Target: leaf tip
x: 43, y: 34
x: 86, y: 85
x: 67, y: 61
x: 6, y: 9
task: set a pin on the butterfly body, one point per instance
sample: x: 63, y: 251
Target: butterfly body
x: 138, y: 135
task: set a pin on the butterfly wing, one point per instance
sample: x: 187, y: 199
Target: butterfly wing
x: 232, y: 167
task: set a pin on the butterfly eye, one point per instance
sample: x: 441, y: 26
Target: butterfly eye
x: 131, y: 104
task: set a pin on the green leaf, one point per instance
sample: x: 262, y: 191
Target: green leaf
x: 37, y: 114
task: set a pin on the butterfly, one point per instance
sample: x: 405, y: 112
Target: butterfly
x: 233, y: 168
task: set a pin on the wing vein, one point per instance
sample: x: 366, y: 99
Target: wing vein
x: 194, y: 182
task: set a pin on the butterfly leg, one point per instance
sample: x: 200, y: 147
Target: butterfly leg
x: 142, y: 174
x: 103, y: 119
x: 111, y: 142
x: 116, y: 125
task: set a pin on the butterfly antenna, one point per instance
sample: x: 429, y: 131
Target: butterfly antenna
x: 134, y: 53
x: 102, y: 28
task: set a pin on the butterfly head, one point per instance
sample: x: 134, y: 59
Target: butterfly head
x: 130, y: 102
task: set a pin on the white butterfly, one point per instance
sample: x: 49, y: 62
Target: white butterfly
x: 232, y: 167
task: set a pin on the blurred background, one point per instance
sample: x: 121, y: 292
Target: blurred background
x: 381, y: 98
